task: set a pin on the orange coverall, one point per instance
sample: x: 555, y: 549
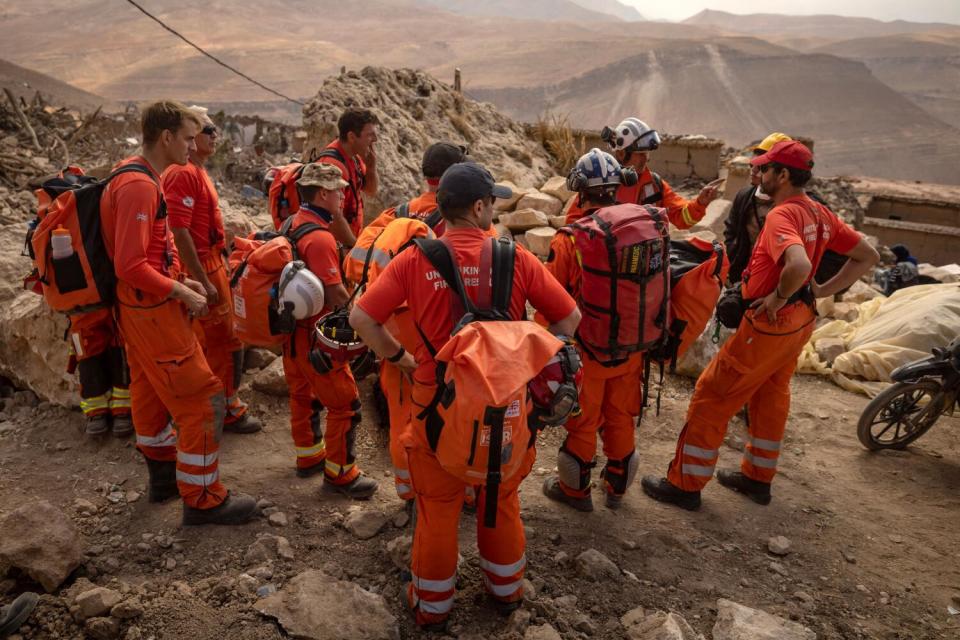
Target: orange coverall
x: 171, y: 382
x: 336, y: 389
x: 104, y: 378
x: 755, y: 365
x: 193, y: 204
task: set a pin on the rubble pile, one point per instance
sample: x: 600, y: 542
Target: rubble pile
x: 415, y: 110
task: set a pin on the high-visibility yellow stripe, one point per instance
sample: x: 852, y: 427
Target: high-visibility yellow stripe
x: 687, y: 218
x: 309, y: 452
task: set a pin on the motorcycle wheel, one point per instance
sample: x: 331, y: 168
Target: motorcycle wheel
x: 900, y: 414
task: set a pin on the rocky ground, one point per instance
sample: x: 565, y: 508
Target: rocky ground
x: 854, y: 545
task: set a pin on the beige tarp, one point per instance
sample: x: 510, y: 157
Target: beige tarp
x: 889, y: 332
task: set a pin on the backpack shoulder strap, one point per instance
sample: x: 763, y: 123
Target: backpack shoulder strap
x: 504, y: 258
x: 330, y: 152
x: 132, y: 168
x: 302, y: 230
x: 433, y: 219
x: 402, y: 211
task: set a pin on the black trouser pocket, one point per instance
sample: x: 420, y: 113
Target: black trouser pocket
x: 68, y: 274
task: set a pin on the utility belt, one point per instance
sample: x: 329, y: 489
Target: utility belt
x: 732, y: 305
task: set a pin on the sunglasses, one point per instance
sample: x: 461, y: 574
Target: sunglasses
x: 209, y: 130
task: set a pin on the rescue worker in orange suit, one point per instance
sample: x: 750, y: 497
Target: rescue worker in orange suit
x: 610, y: 398
x: 194, y: 211
x: 96, y: 353
x: 755, y: 365
x: 170, y: 380
x: 466, y: 194
x: 330, y: 452
x: 353, y: 153
x: 631, y: 142
x: 437, y: 158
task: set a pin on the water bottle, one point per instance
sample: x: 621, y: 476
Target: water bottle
x: 62, y: 243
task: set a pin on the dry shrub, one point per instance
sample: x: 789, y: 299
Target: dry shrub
x: 556, y: 135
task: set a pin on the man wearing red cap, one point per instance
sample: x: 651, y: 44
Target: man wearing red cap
x: 754, y: 367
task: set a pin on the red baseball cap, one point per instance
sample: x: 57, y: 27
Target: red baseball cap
x: 789, y: 153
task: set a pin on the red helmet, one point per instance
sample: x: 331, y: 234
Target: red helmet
x: 555, y: 390
x: 336, y: 337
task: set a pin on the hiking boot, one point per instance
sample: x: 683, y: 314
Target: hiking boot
x: 661, y: 489
x: 614, y: 501
x: 238, y: 508
x: 506, y: 608
x: 309, y: 472
x: 757, y: 491
x: 360, y: 488
x: 121, y: 426
x: 552, y: 489
x: 97, y: 425
x: 163, y: 480
x: 244, y: 424
x: 14, y: 615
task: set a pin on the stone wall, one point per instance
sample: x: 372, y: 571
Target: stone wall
x: 918, y: 211
x: 931, y: 243
x: 678, y: 158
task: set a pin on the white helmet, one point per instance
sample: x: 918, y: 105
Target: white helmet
x: 300, y: 288
x: 632, y: 134
x: 598, y: 168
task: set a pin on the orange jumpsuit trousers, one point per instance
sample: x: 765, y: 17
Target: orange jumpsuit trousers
x: 170, y: 382
x: 440, y: 497
x: 96, y: 350
x: 753, y: 367
x: 224, y: 352
x: 609, y: 401
x: 396, y: 389
x: 337, y: 391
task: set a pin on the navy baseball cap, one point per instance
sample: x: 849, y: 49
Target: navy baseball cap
x: 466, y: 182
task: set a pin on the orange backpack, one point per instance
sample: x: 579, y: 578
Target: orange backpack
x: 377, y: 246
x: 85, y: 279
x: 480, y: 435
x: 698, y: 270
x: 257, y: 262
x: 283, y: 199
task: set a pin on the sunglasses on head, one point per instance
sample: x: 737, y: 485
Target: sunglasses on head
x: 209, y: 130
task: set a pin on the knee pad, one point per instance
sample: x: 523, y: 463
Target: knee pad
x: 573, y: 472
x: 320, y: 361
x: 620, y: 474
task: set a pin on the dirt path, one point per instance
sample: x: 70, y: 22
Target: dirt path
x: 875, y: 538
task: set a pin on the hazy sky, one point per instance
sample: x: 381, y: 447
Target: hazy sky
x: 912, y: 10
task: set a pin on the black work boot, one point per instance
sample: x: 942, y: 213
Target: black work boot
x: 553, y: 490
x: 238, y: 508
x: 757, y: 491
x: 163, y: 480
x: 661, y: 489
x: 309, y: 472
x: 360, y: 488
x: 11, y: 617
x: 244, y: 424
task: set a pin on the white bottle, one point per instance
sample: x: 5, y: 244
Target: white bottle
x: 61, y: 243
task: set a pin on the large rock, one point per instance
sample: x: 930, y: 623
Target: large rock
x: 702, y: 351
x: 524, y: 219
x: 541, y: 202
x: 737, y: 622
x: 541, y: 632
x: 859, y: 292
x: 657, y: 626
x: 539, y: 240
x: 239, y: 220
x: 509, y: 204
x: 365, y: 523
x: 557, y: 187
x: 97, y: 602
x: 42, y: 542
x: 714, y: 219
x: 597, y: 567
x: 32, y: 351
x: 417, y: 110
x: 271, y: 380
x: 829, y: 349
x: 316, y: 606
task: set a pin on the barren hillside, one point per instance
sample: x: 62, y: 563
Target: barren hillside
x: 924, y: 67
x: 861, y: 126
x: 26, y: 83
